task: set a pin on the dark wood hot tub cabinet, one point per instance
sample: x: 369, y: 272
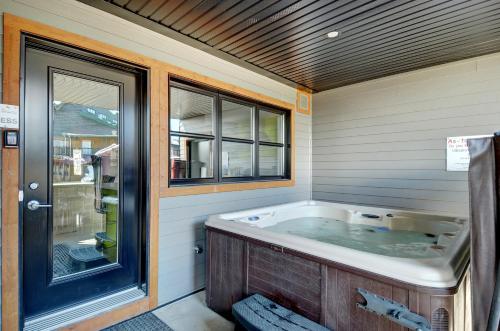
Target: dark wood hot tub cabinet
x: 319, y: 289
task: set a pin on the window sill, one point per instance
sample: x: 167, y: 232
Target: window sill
x: 219, y: 188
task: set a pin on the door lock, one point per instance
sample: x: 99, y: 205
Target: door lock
x: 34, y: 185
x: 34, y: 205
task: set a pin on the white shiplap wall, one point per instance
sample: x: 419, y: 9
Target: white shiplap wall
x: 181, y: 219
x: 383, y: 142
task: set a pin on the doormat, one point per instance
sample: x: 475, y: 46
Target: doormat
x: 144, y: 322
x: 69, y: 259
x: 62, y: 263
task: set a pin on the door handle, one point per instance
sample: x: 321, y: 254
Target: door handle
x: 34, y: 205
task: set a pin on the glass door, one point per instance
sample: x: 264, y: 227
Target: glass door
x: 83, y: 184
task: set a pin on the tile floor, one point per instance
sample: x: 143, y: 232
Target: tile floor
x: 192, y: 314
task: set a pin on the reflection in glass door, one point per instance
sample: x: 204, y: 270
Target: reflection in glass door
x: 86, y: 172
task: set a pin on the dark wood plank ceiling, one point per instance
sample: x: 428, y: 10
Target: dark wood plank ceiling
x: 287, y: 38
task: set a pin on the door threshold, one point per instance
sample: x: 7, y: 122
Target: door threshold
x: 75, y: 314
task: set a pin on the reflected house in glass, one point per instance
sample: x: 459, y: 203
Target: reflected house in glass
x: 192, y: 121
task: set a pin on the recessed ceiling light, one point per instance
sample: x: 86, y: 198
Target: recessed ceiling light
x: 333, y: 34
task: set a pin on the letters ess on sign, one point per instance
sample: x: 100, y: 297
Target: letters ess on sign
x: 9, y: 116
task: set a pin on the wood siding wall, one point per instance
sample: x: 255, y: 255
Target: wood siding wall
x: 181, y: 218
x: 383, y: 142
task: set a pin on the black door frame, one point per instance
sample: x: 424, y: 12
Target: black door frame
x: 143, y: 93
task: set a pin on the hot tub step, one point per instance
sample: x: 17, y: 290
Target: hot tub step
x: 257, y: 313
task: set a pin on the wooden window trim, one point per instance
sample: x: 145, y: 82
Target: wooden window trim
x: 171, y: 191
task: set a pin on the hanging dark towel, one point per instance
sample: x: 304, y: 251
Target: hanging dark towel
x: 483, y: 185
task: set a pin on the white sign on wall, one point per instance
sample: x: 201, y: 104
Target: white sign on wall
x: 9, y: 116
x: 457, y: 153
x: 77, y: 162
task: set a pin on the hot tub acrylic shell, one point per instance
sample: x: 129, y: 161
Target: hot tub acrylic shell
x: 438, y: 272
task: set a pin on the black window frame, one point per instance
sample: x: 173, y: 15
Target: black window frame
x: 219, y: 96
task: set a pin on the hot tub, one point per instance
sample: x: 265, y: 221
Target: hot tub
x: 421, y: 249
x: 382, y: 249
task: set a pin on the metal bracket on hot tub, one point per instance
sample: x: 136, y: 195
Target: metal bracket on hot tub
x: 392, y: 310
